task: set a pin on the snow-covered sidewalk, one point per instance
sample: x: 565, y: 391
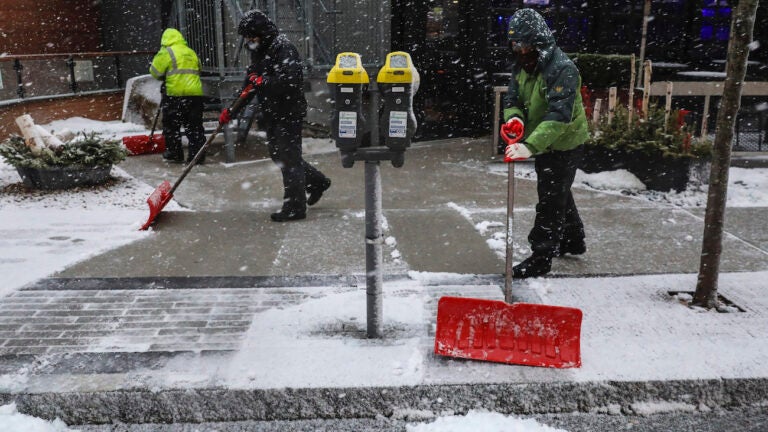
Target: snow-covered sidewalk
x: 309, y: 337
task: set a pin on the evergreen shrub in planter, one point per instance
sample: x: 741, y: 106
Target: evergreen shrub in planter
x: 663, y: 161
x: 81, y: 162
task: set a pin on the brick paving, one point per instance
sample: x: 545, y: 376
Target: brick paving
x: 140, y: 320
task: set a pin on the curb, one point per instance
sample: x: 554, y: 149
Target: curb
x: 226, y: 405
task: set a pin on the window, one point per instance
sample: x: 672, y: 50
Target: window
x: 715, y: 21
x: 442, y: 20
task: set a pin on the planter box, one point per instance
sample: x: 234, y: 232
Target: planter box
x: 661, y: 174
x: 63, y: 177
x: 597, y: 159
x: 666, y: 173
x: 656, y: 172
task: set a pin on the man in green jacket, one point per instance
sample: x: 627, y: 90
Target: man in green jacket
x: 178, y: 66
x: 543, y: 105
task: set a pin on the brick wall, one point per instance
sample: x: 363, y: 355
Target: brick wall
x: 50, y: 26
x: 101, y: 107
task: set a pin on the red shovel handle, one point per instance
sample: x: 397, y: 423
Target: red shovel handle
x: 163, y: 194
x: 512, y: 132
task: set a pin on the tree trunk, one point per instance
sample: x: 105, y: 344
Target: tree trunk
x: 643, y: 38
x: 742, y: 24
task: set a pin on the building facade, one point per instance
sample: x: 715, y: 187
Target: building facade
x: 459, y: 46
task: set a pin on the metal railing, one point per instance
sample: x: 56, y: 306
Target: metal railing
x: 319, y: 28
x: 65, y: 74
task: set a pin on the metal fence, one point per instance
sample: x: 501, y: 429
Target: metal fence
x: 37, y: 76
x: 319, y: 28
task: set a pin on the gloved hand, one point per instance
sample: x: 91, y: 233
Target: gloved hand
x: 225, y: 116
x: 256, y: 80
x: 516, y: 152
x: 246, y: 91
x: 513, y: 130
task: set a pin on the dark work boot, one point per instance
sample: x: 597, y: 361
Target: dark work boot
x: 573, y: 247
x: 315, y: 193
x: 285, y: 215
x: 533, y: 266
x: 172, y: 156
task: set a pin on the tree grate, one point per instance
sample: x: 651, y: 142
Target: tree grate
x: 724, y: 304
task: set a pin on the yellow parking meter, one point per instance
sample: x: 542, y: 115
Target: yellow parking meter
x: 398, y: 81
x: 347, y: 81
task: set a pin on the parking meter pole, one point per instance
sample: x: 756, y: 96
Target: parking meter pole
x: 374, y: 280
x: 395, y: 86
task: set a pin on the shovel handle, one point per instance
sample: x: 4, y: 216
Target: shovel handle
x: 236, y: 106
x: 510, y: 249
x: 154, y: 123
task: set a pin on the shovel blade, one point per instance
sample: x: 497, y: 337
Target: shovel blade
x: 157, y: 201
x: 144, y: 144
x: 518, y: 333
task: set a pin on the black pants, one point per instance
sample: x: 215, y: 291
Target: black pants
x: 557, y: 219
x: 187, y: 112
x: 284, y: 142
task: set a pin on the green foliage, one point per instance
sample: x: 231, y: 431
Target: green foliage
x: 88, y: 151
x: 647, y: 136
x: 603, y: 70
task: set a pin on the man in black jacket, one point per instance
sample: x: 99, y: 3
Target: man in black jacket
x: 277, y: 78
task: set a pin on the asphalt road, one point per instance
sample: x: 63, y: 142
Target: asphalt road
x: 749, y: 420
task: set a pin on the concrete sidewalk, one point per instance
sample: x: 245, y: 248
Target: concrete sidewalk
x: 164, y: 329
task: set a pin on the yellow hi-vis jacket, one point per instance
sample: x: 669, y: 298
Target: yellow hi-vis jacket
x: 178, y: 65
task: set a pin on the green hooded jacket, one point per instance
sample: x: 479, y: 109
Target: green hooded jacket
x: 549, y: 99
x: 178, y: 65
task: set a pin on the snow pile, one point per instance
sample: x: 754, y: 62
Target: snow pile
x: 108, y: 129
x: 482, y: 421
x: 13, y: 421
x: 46, y: 231
x: 747, y: 187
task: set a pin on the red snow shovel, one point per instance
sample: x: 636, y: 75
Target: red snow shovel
x: 163, y: 194
x: 497, y: 331
x: 144, y: 144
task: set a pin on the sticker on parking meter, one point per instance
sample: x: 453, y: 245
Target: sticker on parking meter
x: 347, y: 124
x: 398, y: 121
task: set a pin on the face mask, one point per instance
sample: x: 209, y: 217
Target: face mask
x: 253, y: 46
x: 518, y: 47
x: 528, y: 60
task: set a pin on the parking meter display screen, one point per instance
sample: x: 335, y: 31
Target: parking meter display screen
x: 398, y: 61
x: 348, y: 62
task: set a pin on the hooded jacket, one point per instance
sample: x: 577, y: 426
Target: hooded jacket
x: 178, y: 65
x: 277, y: 61
x: 549, y: 99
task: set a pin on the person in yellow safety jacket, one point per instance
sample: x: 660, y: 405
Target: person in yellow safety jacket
x: 178, y: 67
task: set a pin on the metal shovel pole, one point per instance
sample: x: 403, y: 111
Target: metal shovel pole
x: 510, y: 211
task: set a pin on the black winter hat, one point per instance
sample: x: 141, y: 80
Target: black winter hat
x: 256, y: 23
